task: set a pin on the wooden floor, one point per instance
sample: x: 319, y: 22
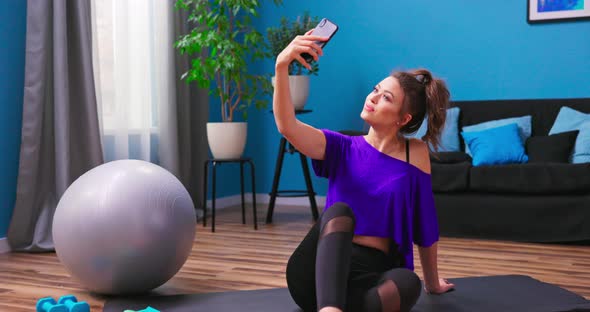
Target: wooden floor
x: 238, y: 258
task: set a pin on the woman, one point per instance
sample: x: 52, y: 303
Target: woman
x: 359, y: 255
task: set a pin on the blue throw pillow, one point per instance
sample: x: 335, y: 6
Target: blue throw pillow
x: 581, y: 152
x: 500, y: 145
x: 523, y: 122
x: 449, y: 139
x: 569, y: 119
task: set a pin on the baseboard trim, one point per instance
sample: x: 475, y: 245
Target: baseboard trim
x: 4, y: 246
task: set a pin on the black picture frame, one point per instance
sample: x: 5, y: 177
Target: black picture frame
x: 557, y: 10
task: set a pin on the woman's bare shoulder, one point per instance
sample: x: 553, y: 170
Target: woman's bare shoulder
x: 420, y: 155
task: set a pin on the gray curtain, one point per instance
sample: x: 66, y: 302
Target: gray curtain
x: 60, y: 133
x: 193, y: 114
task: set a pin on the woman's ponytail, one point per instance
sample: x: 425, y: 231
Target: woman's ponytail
x: 424, y: 96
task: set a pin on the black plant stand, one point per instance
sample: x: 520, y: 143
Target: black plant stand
x: 216, y: 162
x: 286, y: 147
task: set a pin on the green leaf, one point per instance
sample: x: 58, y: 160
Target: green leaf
x: 223, y: 41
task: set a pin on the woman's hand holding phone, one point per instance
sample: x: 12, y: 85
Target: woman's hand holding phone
x: 308, y: 47
x: 301, y: 44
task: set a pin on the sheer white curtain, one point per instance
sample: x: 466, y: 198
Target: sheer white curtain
x: 135, y: 81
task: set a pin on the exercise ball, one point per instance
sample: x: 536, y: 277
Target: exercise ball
x: 124, y: 227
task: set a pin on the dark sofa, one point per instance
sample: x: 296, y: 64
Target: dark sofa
x: 534, y: 202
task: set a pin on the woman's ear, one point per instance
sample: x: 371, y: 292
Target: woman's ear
x: 405, y: 120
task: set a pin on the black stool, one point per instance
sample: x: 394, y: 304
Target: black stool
x: 215, y: 161
x: 285, y: 146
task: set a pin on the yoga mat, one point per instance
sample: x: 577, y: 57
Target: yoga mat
x: 502, y: 293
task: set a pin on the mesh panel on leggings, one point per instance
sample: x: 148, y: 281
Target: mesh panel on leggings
x: 337, y: 224
x: 389, y: 296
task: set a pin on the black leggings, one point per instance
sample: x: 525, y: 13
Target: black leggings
x: 328, y: 269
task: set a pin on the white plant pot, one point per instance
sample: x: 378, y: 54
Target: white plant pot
x: 227, y: 139
x: 299, y: 87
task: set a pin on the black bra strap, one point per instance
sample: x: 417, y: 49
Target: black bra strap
x: 407, y: 150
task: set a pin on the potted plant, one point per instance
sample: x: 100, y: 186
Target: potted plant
x: 278, y: 38
x: 223, y: 40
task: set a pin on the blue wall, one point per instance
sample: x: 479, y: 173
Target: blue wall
x: 483, y: 51
x: 12, y: 63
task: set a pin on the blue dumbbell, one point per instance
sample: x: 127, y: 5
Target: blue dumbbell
x: 48, y: 304
x: 73, y: 305
x: 148, y: 309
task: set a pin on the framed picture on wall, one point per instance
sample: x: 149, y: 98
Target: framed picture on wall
x: 557, y: 10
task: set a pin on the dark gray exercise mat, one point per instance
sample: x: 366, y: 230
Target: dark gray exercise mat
x: 506, y: 293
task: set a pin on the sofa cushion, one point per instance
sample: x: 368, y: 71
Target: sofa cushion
x: 570, y: 119
x: 450, y: 177
x: 501, y: 145
x: 531, y: 178
x: 551, y: 148
x: 449, y: 138
x: 581, y: 153
x: 543, y: 111
x: 524, y: 124
x: 450, y: 157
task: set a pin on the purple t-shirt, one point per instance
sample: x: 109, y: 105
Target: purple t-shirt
x: 389, y: 197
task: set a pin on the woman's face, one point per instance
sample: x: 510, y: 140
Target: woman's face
x: 383, y: 106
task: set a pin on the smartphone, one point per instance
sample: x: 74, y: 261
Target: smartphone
x: 325, y: 28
